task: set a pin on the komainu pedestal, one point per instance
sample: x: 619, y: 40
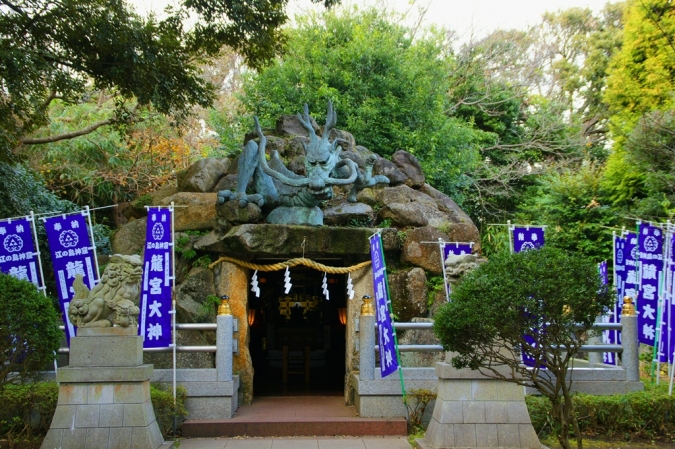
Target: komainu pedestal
x: 474, y: 411
x: 104, y: 394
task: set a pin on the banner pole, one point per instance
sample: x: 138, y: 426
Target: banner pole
x: 510, y: 229
x: 616, y: 293
x: 93, y: 243
x: 173, y: 302
x: 441, y: 247
x: 42, y: 287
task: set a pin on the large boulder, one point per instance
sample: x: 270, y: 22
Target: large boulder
x: 417, y: 250
x: 191, y: 303
x: 408, y: 293
x: 130, y: 238
x: 390, y: 170
x: 409, y: 165
x: 405, y: 215
x: 289, y: 125
x: 137, y: 208
x: 266, y: 240
x: 194, y: 211
x: 349, y: 214
x: 203, y: 175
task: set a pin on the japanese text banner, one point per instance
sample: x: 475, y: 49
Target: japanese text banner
x: 72, y: 254
x: 17, y: 251
x: 156, y: 289
x: 388, y: 358
x: 525, y: 238
x: 456, y: 249
x: 650, y: 256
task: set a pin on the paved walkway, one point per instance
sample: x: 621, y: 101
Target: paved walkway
x: 296, y: 443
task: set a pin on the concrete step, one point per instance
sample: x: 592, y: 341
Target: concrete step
x: 295, y: 416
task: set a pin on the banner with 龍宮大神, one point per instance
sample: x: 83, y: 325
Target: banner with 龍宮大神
x: 72, y: 254
x: 157, y: 285
x: 650, y: 268
x: 386, y: 336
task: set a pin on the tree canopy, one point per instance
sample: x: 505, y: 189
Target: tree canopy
x: 64, y: 50
x: 389, y: 89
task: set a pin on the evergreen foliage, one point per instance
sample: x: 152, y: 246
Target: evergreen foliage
x: 29, y: 331
x: 548, y: 294
x: 388, y: 89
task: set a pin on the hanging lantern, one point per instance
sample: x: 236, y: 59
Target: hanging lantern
x: 251, y: 317
x: 342, y: 313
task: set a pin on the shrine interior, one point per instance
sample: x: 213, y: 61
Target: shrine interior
x: 297, y: 339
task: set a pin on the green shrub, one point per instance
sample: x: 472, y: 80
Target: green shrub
x: 29, y: 331
x: 28, y: 409
x: 165, y: 410
x: 646, y: 414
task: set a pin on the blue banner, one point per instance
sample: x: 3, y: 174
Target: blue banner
x: 631, y: 255
x: 526, y: 238
x: 156, y: 289
x: 386, y: 337
x: 17, y: 252
x: 72, y: 254
x: 456, y: 249
x: 670, y: 294
x: 650, y: 256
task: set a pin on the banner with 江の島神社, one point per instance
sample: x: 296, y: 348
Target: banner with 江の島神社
x: 18, y: 257
x: 525, y: 238
x: 72, y: 254
x: 156, y: 289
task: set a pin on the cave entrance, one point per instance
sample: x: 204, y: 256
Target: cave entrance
x: 297, y: 340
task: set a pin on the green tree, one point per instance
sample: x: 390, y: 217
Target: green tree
x: 29, y: 331
x: 389, y: 90
x: 640, y: 83
x: 540, y: 93
x: 570, y: 202
x: 64, y: 50
x: 549, y: 295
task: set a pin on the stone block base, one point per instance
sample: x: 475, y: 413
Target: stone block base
x: 105, y: 406
x: 474, y: 411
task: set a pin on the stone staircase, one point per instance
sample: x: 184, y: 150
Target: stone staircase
x: 295, y: 416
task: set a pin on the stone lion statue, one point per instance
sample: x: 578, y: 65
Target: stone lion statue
x: 114, y: 300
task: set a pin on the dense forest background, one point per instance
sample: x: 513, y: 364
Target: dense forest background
x: 569, y: 124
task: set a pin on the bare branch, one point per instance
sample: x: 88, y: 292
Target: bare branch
x: 89, y: 129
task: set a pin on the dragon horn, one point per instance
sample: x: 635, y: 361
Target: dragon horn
x: 331, y: 120
x: 307, y: 123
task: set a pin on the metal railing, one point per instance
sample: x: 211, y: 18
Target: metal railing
x: 182, y: 327
x: 629, y: 346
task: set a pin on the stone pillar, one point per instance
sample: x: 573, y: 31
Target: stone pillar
x: 630, y: 359
x: 104, y: 394
x: 474, y: 411
x: 224, y: 347
x: 367, y: 340
x: 362, y: 280
x: 363, y: 286
x: 232, y: 280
